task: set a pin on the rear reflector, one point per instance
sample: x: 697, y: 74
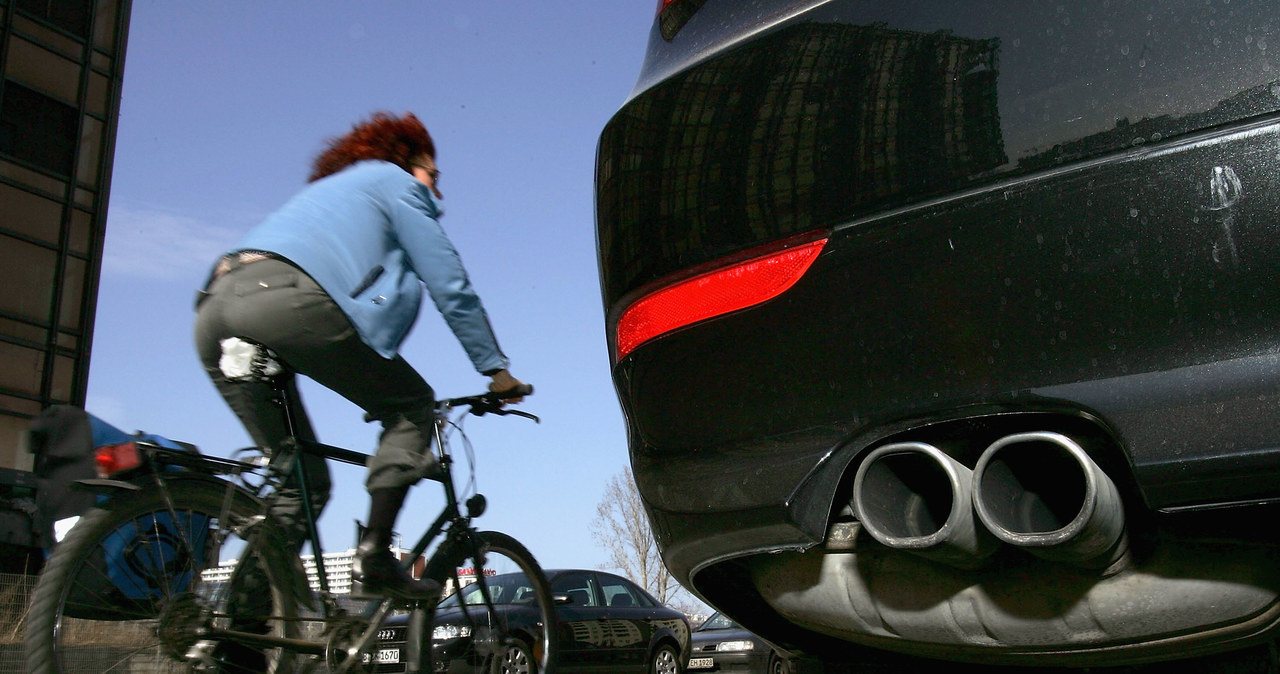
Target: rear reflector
x: 713, y: 294
x: 112, y: 459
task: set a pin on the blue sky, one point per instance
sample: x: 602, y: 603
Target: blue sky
x: 224, y: 106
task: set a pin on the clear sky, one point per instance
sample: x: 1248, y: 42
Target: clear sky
x: 224, y: 106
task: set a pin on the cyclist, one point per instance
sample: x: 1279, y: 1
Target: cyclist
x: 332, y: 283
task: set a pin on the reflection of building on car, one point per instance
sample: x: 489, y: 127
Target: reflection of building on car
x: 721, y: 645
x: 607, y: 623
x: 949, y: 329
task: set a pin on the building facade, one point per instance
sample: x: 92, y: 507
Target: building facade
x: 61, y: 68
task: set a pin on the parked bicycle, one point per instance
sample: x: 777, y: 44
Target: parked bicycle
x: 148, y: 580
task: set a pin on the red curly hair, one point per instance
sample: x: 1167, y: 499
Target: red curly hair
x: 399, y: 140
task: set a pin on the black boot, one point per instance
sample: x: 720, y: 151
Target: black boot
x: 375, y: 572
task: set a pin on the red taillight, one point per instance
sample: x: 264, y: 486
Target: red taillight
x: 713, y: 294
x: 112, y: 459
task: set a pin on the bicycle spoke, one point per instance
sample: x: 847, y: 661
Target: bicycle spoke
x: 501, y: 621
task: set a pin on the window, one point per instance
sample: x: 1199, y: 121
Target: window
x: 37, y: 129
x: 617, y: 594
x: 578, y: 587
x: 69, y: 15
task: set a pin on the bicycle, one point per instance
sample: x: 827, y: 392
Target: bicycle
x: 188, y: 531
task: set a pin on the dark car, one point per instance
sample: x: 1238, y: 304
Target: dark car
x: 721, y: 645
x: 950, y: 328
x: 607, y: 624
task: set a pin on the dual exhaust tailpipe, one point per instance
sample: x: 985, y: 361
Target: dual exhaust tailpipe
x: 1036, y: 491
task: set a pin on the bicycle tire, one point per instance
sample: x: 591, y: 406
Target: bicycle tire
x: 81, y: 620
x: 521, y: 634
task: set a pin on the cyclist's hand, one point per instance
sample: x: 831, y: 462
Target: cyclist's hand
x: 502, y: 382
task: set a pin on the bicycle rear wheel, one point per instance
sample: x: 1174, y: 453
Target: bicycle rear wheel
x: 502, y: 620
x: 136, y: 580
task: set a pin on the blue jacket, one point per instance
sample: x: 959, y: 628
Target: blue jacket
x: 369, y: 236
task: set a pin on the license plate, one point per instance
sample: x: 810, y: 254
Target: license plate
x: 385, y: 656
x: 701, y: 663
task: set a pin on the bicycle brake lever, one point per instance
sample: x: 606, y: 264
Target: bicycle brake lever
x: 504, y: 412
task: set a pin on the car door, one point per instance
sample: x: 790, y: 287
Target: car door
x: 629, y: 621
x: 584, y: 642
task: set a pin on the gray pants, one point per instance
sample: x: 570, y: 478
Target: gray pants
x: 273, y: 303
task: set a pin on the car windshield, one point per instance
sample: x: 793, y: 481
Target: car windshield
x: 719, y: 621
x: 510, y: 588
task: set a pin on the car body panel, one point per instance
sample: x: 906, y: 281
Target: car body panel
x: 1038, y: 216
x: 593, y: 634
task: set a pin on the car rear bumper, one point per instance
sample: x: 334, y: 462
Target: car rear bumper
x: 1121, y: 301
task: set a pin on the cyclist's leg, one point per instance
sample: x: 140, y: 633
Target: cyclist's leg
x: 391, y: 391
x: 404, y: 456
x: 318, y: 341
x: 307, y: 329
x: 252, y: 302
x: 267, y: 302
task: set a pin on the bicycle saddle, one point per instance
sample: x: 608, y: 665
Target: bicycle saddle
x: 244, y: 359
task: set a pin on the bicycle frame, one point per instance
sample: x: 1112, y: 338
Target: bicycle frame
x: 450, y: 513
x: 376, y: 612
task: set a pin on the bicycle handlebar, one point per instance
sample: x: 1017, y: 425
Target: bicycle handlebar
x: 491, y: 402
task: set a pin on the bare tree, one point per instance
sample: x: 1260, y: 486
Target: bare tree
x: 621, y: 527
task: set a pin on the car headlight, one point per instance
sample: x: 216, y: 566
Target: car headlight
x: 449, y: 632
x: 734, y: 646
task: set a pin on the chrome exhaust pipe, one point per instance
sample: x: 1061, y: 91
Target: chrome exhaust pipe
x: 1041, y: 492
x: 912, y: 496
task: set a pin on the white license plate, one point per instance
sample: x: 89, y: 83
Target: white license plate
x: 386, y: 656
x: 701, y: 663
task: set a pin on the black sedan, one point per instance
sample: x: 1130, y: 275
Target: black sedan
x: 722, y: 645
x: 607, y: 624
x: 948, y: 328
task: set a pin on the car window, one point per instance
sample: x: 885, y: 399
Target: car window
x: 579, y: 587
x: 619, y: 593
x: 718, y: 621
x: 512, y: 588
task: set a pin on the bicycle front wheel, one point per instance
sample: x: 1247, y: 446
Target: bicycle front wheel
x: 500, y: 617
x: 139, y: 582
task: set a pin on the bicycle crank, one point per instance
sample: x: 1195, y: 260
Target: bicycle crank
x: 341, y: 651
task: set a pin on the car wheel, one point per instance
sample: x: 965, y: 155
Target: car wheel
x: 778, y: 666
x: 665, y: 661
x: 514, y: 658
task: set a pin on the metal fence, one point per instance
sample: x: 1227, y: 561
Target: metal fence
x: 15, y: 596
